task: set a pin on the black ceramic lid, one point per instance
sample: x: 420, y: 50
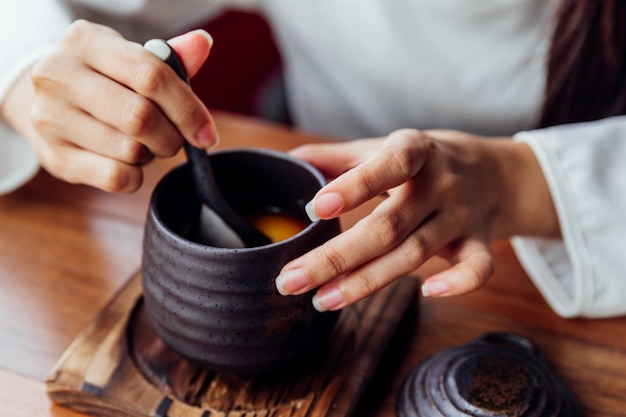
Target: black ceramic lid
x: 498, y: 374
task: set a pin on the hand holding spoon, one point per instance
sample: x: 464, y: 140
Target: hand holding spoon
x: 220, y: 225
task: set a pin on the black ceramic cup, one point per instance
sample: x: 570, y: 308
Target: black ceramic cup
x: 219, y: 307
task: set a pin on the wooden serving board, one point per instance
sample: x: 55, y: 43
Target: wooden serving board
x: 118, y: 367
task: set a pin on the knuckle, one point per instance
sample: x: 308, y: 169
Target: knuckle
x: 402, y: 161
x: 365, y: 183
x: 45, y: 121
x: 55, y: 161
x: 149, y: 78
x: 45, y: 73
x: 465, y: 214
x: 484, y: 266
x: 472, y: 281
x: 114, y: 177
x: 407, y: 147
x: 38, y: 116
x: 170, y: 148
x: 387, y: 228
x: 405, y: 137
x: 76, y: 32
x: 39, y: 73
x: 306, y: 151
x: 138, y: 116
x: 81, y: 32
x: 132, y: 152
x: 57, y: 166
x: 477, y: 271
x: 190, y: 112
x: 417, y: 248
x: 368, y: 283
x: 164, y: 144
x: 335, y: 262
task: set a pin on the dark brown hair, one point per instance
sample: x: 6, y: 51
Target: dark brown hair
x: 587, y: 63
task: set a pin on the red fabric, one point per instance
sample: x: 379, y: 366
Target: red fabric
x: 243, y: 57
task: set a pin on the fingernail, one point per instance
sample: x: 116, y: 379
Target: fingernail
x: 291, y: 282
x: 206, y: 35
x: 207, y: 136
x: 324, y: 206
x: 435, y: 288
x: 328, y: 299
x: 310, y: 211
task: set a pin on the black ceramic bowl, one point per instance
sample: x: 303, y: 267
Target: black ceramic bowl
x: 219, y: 307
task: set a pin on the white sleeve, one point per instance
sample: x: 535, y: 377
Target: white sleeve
x: 30, y: 28
x: 584, y: 274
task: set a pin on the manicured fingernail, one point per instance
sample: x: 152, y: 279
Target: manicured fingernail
x: 207, y: 136
x: 328, y: 299
x: 206, y: 35
x: 324, y: 206
x: 291, y: 282
x: 435, y: 288
x: 310, y: 211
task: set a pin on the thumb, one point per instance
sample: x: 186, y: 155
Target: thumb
x: 193, y: 49
x: 333, y: 159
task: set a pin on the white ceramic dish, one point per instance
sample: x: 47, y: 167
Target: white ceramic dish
x: 17, y: 162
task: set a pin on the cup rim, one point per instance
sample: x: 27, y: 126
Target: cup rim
x: 160, y: 223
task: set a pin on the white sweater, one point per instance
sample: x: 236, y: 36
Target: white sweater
x: 357, y: 68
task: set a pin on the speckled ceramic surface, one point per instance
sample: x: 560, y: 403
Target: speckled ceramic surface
x: 496, y: 375
x: 219, y: 307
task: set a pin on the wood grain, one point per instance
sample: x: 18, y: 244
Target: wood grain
x: 65, y: 250
x: 118, y: 366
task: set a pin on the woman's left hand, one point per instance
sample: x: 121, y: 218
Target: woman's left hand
x: 448, y: 194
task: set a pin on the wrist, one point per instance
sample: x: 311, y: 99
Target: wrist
x: 525, y: 206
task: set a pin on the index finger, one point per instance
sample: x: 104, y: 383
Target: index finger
x: 129, y: 64
x: 400, y: 159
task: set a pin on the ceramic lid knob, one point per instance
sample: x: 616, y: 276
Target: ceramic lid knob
x: 498, y: 374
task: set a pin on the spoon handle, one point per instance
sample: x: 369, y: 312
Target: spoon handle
x: 206, y: 187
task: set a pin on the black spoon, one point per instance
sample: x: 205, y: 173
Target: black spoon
x: 220, y: 225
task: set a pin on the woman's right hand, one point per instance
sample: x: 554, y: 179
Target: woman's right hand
x: 102, y: 107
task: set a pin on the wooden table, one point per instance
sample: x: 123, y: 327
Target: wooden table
x: 65, y: 250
